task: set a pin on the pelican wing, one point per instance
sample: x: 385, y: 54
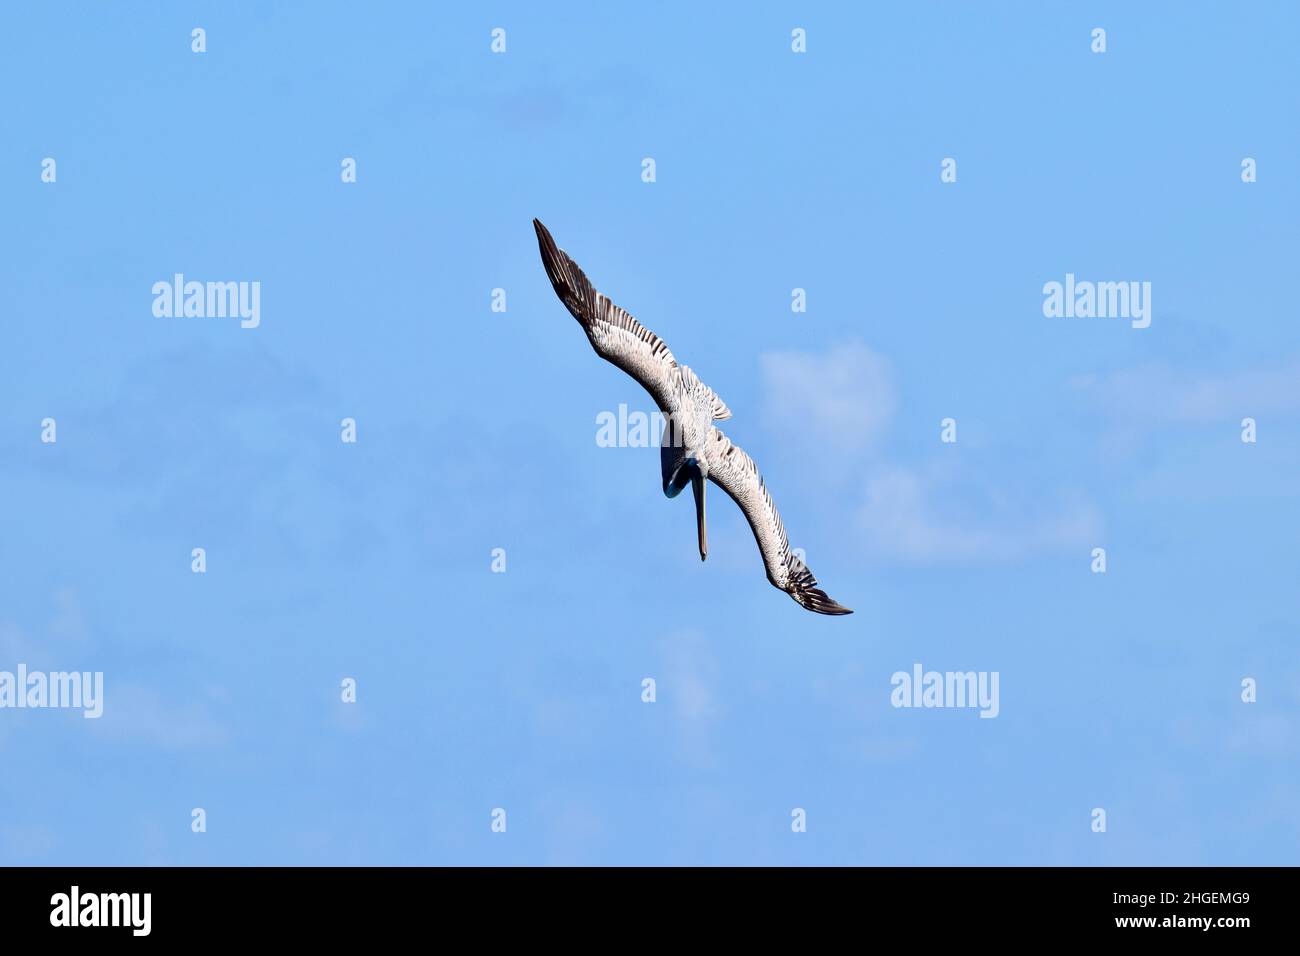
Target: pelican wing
x: 735, y: 473
x: 615, y: 335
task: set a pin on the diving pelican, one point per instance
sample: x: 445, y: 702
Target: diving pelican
x: 698, y: 449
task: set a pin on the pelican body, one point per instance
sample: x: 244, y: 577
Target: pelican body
x: 693, y: 451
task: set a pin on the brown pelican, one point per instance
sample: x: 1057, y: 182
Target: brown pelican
x: 698, y: 450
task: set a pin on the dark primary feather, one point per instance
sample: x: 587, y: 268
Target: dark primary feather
x: 803, y: 588
x: 616, y: 336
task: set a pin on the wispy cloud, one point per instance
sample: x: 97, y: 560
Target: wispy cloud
x: 688, y: 687
x: 132, y: 711
x: 138, y: 713
x: 922, y: 517
x: 1150, y: 396
x: 922, y: 511
x: 844, y: 397
x: 32, y: 842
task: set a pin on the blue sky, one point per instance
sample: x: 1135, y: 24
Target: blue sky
x: 476, y: 430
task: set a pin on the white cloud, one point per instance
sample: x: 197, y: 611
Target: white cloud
x: 1152, y: 395
x: 922, y: 518
x: 687, y: 687
x: 138, y: 713
x: 845, y: 396
x: 34, y: 842
x: 131, y: 711
x: 927, y: 512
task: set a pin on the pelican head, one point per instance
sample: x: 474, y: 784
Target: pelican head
x: 681, y: 468
x: 680, y: 476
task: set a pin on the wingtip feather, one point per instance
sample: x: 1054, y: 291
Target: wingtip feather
x: 804, y: 589
x: 822, y: 603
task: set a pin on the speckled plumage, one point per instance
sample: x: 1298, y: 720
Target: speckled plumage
x: 693, y: 446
